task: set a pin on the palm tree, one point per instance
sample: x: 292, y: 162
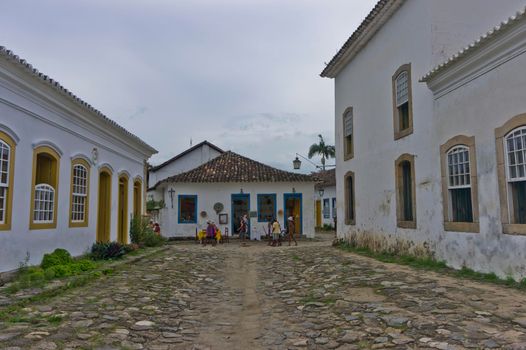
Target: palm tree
x: 322, y: 149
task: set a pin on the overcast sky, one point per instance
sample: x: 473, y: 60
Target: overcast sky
x: 242, y: 74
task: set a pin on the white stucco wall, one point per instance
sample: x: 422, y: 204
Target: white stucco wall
x: 477, y: 109
x: 365, y: 84
x: 209, y: 194
x: 33, y: 119
x: 329, y: 193
x: 187, y: 162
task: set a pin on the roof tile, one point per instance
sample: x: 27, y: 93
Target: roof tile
x: 232, y: 167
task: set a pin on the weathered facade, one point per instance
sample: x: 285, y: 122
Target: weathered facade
x: 68, y: 175
x: 402, y: 182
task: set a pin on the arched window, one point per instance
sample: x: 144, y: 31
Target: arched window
x: 44, y: 211
x: 515, y: 145
x: 79, y: 201
x: 402, y: 100
x: 348, y: 134
x: 350, y: 204
x: 44, y: 188
x: 459, y: 184
x: 405, y: 191
x: 7, y: 148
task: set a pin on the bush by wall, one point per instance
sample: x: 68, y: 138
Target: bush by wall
x: 142, y: 234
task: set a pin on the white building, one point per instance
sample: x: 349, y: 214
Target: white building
x: 184, y: 161
x: 229, y: 186
x: 396, y: 139
x: 68, y: 175
x: 325, y: 198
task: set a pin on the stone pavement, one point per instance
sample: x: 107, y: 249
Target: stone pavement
x: 308, y: 297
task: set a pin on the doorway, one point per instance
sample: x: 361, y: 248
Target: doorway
x: 122, y: 224
x: 293, y: 207
x: 104, y: 206
x: 240, y: 206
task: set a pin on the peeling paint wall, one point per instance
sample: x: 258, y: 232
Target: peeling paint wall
x: 365, y: 84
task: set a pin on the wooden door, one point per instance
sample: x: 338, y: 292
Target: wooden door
x: 318, y: 213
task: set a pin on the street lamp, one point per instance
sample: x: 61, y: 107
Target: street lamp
x: 321, y: 191
x: 296, y: 163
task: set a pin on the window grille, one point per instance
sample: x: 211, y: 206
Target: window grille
x: 459, y: 168
x: 326, y: 209
x: 80, y: 193
x: 516, y: 155
x: 402, y: 88
x: 44, y: 204
x: 348, y: 124
x: 5, y: 152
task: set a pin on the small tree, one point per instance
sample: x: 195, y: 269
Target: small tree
x: 322, y: 149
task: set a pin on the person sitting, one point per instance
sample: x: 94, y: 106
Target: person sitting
x: 157, y: 229
x: 211, y: 233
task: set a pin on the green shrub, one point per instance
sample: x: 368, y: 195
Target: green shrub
x: 153, y: 240
x: 106, y: 251
x: 58, y: 257
x: 142, y: 234
x: 86, y: 265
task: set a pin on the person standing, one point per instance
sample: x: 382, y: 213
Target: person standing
x: 276, y: 232
x: 291, y: 230
x: 243, y: 228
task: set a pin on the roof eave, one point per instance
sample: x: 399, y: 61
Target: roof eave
x: 374, y: 21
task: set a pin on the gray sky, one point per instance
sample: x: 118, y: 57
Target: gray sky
x: 242, y: 74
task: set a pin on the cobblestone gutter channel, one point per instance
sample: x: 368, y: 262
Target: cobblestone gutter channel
x: 308, y: 297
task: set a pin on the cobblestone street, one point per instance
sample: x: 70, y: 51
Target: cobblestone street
x: 312, y: 296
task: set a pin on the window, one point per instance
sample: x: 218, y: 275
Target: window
x: 348, y: 138
x: 334, y: 207
x: 44, y: 188
x: 459, y: 184
x: 187, y: 209
x: 79, y: 204
x: 7, y: 148
x: 326, y: 208
x: 402, y: 102
x: 44, y: 204
x: 266, y: 207
x: 350, y: 217
x: 511, y: 170
x: 405, y: 191
x: 515, y: 144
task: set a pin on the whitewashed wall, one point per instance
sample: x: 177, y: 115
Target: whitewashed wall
x: 35, y: 118
x: 421, y: 32
x: 328, y: 193
x: 209, y: 194
x: 476, y: 109
x: 189, y: 161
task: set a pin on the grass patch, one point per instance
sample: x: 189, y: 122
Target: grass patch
x: 295, y: 257
x: 416, y: 262
x: 54, y: 320
x: 433, y: 265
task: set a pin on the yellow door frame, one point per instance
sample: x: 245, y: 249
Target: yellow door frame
x: 122, y: 221
x: 104, y: 205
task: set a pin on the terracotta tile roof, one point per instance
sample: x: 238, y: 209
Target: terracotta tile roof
x: 232, y: 167
x: 157, y: 167
x: 483, y: 40
x: 379, y: 15
x: 326, y: 178
x: 10, y: 56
